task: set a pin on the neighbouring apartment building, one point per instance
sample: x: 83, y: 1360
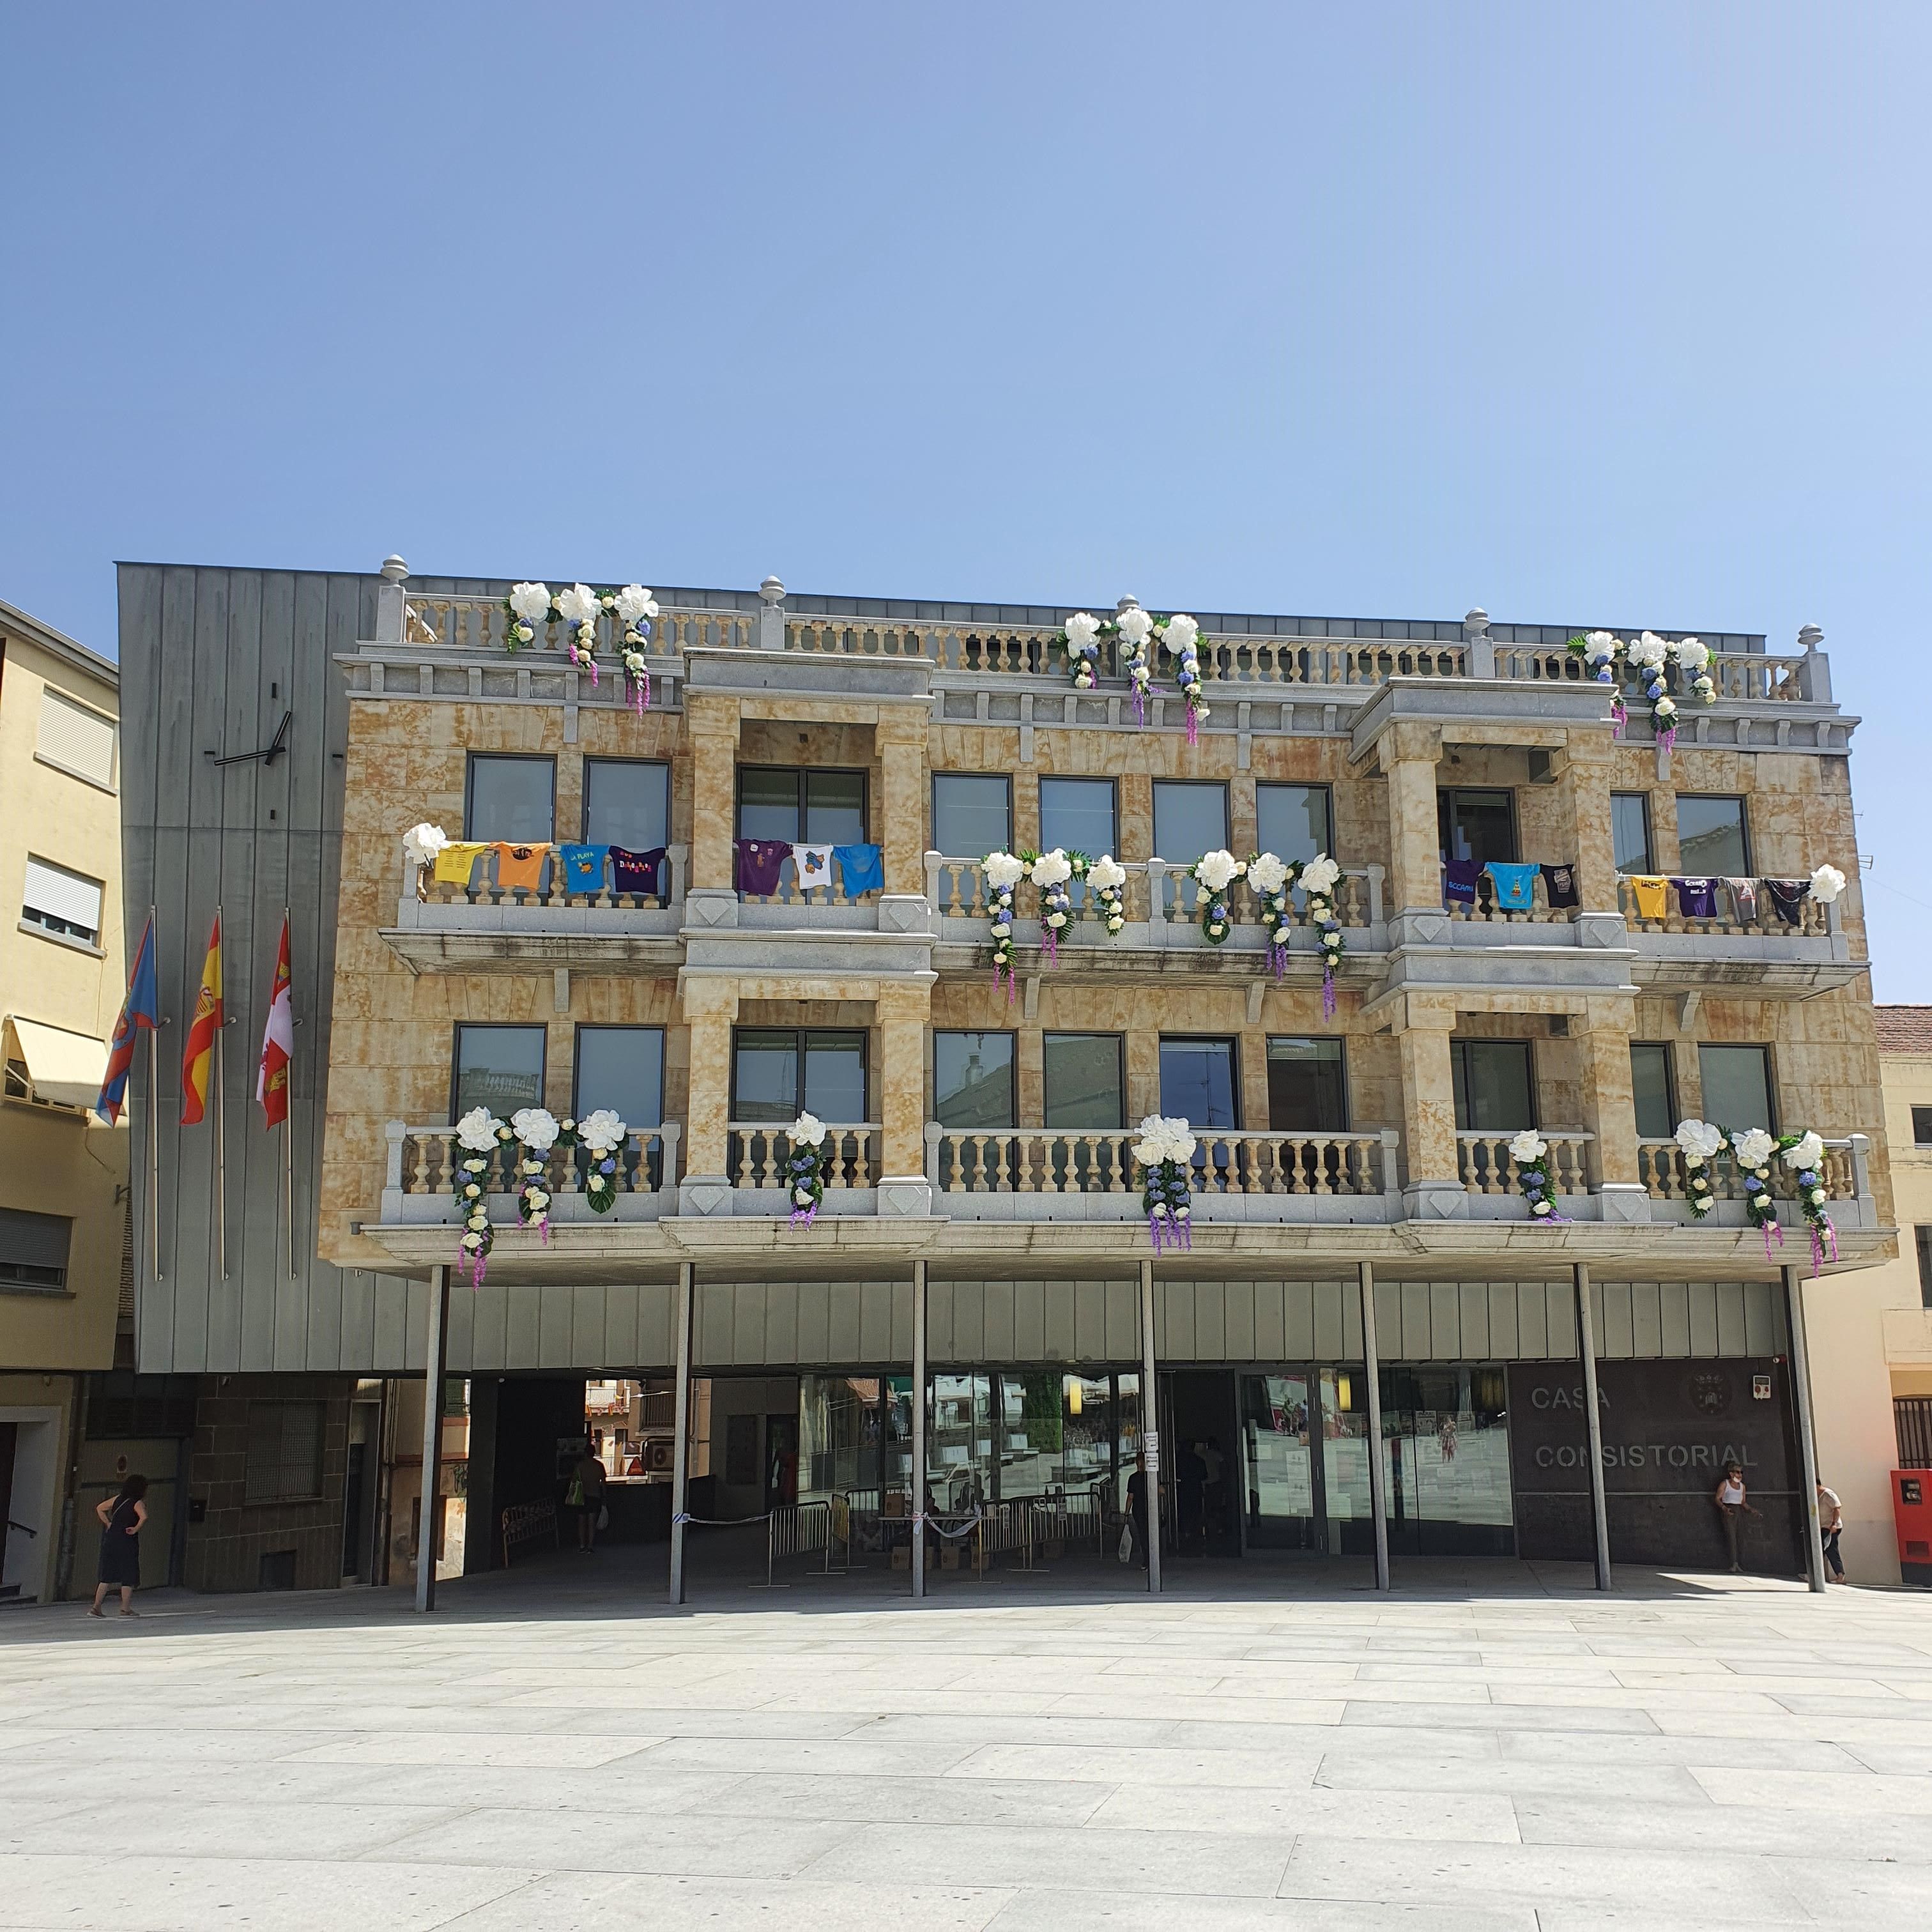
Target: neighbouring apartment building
x: 1899, y: 1294
x: 796, y: 875
x: 63, y: 1171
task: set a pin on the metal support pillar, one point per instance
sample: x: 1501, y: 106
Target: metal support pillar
x: 680, y: 1450
x: 1807, y: 1447
x: 435, y: 1355
x: 1150, y: 1425
x: 916, y: 1502
x: 1372, y: 1374
x: 1593, y: 1418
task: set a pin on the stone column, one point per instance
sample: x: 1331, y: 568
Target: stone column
x: 904, y: 1010
x: 1411, y: 754
x: 710, y: 1006
x: 901, y: 819
x: 1583, y: 790
x: 711, y: 723
x: 1435, y: 1191
x: 1609, y: 1112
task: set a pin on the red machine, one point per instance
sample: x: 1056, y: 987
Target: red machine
x: 1912, y: 1511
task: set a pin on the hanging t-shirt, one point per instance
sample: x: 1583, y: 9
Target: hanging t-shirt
x: 1652, y: 896
x: 862, y: 868
x: 1559, y: 886
x: 636, y: 874
x: 1787, y: 898
x: 759, y: 863
x: 1459, y: 879
x: 814, y: 865
x: 1696, y: 898
x: 1515, y: 886
x: 455, y: 863
x: 520, y: 868
x: 583, y: 867
x: 1744, y: 899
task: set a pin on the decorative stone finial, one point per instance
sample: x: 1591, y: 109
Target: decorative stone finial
x: 772, y: 591
x: 1809, y: 636
x: 1127, y: 603
x: 394, y: 569
x: 1476, y: 622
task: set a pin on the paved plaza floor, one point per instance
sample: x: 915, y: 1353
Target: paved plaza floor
x: 1487, y: 1747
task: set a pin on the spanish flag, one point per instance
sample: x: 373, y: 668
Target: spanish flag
x: 198, y: 1061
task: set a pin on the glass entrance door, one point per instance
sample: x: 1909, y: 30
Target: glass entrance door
x: 1278, y: 1474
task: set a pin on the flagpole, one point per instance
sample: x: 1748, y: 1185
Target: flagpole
x: 221, y: 1124
x: 154, y: 1121
x: 289, y: 1134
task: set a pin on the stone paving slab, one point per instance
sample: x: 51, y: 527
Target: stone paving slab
x: 1496, y: 1748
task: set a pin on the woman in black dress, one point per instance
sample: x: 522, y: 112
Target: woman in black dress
x: 121, y: 1517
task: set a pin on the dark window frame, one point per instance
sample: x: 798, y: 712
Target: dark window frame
x: 1342, y: 1062
x: 1459, y: 1063
x: 1742, y: 801
x: 1232, y: 1041
x: 1444, y: 794
x: 1005, y: 778
x: 1923, y: 1240
x: 1647, y: 870
x: 577, y: 1066
x: 459, y: 1027
x: 584, y: 810
x: 1288, y: 785
x: 803, y: 775
x: 1922, y: 1128
x: 799, y: 1034
x: 1008, y: 1033
x: 1663, y: 1046
x: 282, y: 1408
x: 1069, y: 778
x: 1191, y: 785
x: 1119, y: 1040
x: 473, y: 759
x: 1761, y: 1048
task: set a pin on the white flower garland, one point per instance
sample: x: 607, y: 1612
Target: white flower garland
x: 538, y: 1129
x: 1051, y: 871
x: 1081, y: 641
x: 1181, y: 636
x: 421, y: 844
x: 479, y: 1133
x: 1752, y: 1152
x: 1214, y: 872
x: 1105, y: 879
x: 602, y: 1134
x: 1531, y: 1152
x: 1003, y: 870
x: 1134, y: 628
x: 527, y: 605
x: 1166, y: 1153
x: 805, y: 1169
x: 1645, y: 657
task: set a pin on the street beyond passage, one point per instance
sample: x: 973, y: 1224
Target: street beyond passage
x: 1500, y: 1747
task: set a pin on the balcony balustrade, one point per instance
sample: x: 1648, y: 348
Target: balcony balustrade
x: 1486, y: 1168
x: 849, y: 1161
x: 1846, y: 1173
x: 424, y: 1172
x: 1816, y: 920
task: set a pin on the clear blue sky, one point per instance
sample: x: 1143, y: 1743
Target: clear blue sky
x: 1610, y: 314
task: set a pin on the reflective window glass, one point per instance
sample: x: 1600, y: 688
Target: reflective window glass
x: 1306, y: 1092
x: 1494, y: 1092
x: 1189, y: 818
x: 1198, y: 1082
x: 499, y: 1067
x: 510, y: 798
x: 1077, y: 815
x: 1477, y: 825
x: 1084, y: 1085
x: 971, y: 815
x: 1651, y: 1090
x: 621, y: 1068
x: 972, y: 1080
x: 1710, y: 837
x: 1737, y: 1086
x: 1292, y: 821
x: 626, y: 803
x: 1630, y: 831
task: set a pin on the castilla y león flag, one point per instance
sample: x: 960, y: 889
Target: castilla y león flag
x: 199, y: 1059
x: 278, y: 1042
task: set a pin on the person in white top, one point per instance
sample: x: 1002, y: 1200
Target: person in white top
x: 1831, y: 1522
x: 1732, y: 1506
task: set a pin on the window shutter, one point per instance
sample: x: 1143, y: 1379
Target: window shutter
x: 78, y: 740
x: 66, y: 895
x: 35, y: 1240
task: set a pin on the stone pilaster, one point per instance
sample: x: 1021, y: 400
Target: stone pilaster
x: 1410, y: 755
x: 901, y: 824
x: 711, y: 724
x: 1435, y: 1191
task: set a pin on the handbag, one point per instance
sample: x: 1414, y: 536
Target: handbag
x: 573, y: 1497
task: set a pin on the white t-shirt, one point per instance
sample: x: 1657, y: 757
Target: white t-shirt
x: 1732, y: 1492
x: 1831, y: 1510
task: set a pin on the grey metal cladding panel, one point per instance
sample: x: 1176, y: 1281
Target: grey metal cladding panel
x: 1674, y: 1306
x: 814, y: 1321
x: 1473, y: 1321
x: 780, y: 1326
x: 1000, y: 1329
x: 1505, y: 1324
x: 1237, y: 1315
x: 1646, y: 1317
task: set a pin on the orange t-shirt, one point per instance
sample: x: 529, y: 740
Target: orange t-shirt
x: 520, y: 865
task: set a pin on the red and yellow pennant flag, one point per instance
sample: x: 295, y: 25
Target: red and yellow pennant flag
x: 278, y: 1042
x: 198, y: 1061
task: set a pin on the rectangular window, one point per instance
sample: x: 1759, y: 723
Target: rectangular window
x: 76, y: 739
x: 1710, y: 837
x: 1494, y: 1093
x: 284, y: 1455
x: 1084, y: 1085
x: 626, y: 803
x: 1922, y: 1126
x: 1077, y: 815
x: 971, y: 815
x: 1477, y: 825
x: 1737, y: 1086
x: 61, y: 902
x: 1630, y: 831
x: 1199, y: 1082
x: 1653, y: 1091
x: 1294, y: 821
x: 34, y: 1250
x: 1307, y: 1092
x: 499, y: 1067
x: 972, y: 1080
x: 512, y: 799
x: 621, y: 1068
x: 803, y: 806
x: 1189, y: 818
x: 778, y: 1072
x: 1924, y: 1236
